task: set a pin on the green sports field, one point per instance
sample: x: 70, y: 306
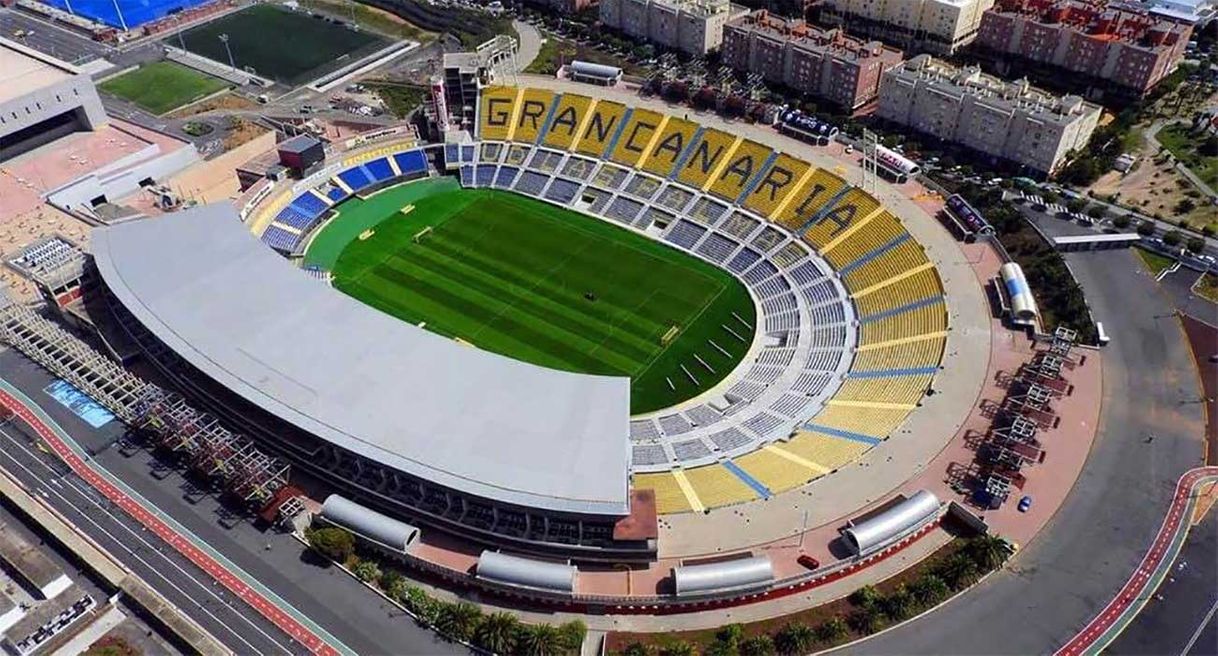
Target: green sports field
x: 542, y: 284
x: 288, y: 46
x: 162, y: 86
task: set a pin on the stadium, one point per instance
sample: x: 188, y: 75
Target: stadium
x: 715, y: 323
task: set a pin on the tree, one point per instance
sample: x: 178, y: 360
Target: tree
x: 989, y: 551
x: 1076, y: 204
x: 573, y: 634
x: 1173, y: 238
x: 1195, y: 245
x: 337, y: 544
x: 1209, y: 147
x: 761, y: 645
x: 794, y: 639
x: 929, y: 590
x: 390, y: 577
x: 458, y: 620
x: 731, y: 635
x: 1097, y: 211
x: 958, y: 571
x: 831, y: 630
x: 497, y: 632
x: 1122, y: 221
x: 1146, y: 228
x: 899, y: 605
x: 866, y: 597
x: 539, y: 640
x: 866, y: 620
x: 367, y: 571
x: 1185, y: 206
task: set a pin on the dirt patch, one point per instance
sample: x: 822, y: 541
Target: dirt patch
x: 226, y: 102
x: 1153, y: 188
x: 243, y: 132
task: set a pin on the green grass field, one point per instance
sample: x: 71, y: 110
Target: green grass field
x: 542, y: 284
x: 163, y: 86
x: 290, y: 47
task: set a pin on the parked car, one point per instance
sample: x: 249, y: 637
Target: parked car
x: 1024, y: 504
x: 808, y: 562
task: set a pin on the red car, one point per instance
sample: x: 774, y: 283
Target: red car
x: 808, y: 561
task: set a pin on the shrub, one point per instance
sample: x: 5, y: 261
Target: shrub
x: 459, y: 620
x: 573, y: 634
x: 929, y: 590
x: 794, y: 639
x: 832, y: 630
x: 636, y: 649
x: 866, y: 597
x: 866, y: 620
x: 899, y: 605
x: 1208, y: 230
x: 761, y: 645
x: 731, y: 635
x: 1195, y: 245
x: 367, y: 571
x: 678, y: 648
x: 337, y: 544
x: 497, y: 632
x: 1185, y: 206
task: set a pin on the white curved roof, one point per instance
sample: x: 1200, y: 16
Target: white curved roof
x: 370, y: 524
x: 470, y: 420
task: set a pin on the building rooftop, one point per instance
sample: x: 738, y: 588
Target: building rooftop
x: 27, y: 559
x: 1019, y: 93
x: 467, y: 419
x: 1100, y: 19
x: 800, y: 32
x: 24, y: 70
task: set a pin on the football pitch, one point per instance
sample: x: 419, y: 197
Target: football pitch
x: 541, y: 284
x: 291, y: 47
x: 163, y: 86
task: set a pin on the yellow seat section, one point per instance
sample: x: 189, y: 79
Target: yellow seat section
x: 853, y: 206
x: 880, y: 230
x: 907, y: 390
x: 815, y: 193
x: 876, y: 422
x: 636, y: 137
x: 825, y: 450
x: 710, y: 150
x: 923, y: 284
x: 777, y: 473
x: 778, y: 181
x: 534, y: 107
x: 669, y: 497
x: 892, y: 262
x: 744, y: 164
x: 908, y: 355
x: 497, y: 107
x: 716, y: 486
x: 918, y: 321
x: 674, y: 139
x: 569, y: 115
x: 596, y: 135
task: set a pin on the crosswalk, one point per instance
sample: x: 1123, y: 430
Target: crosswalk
x: 1039, y: 201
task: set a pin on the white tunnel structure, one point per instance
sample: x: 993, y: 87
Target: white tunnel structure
x: 1023, y: 305
x: 881, y: 529
x: 526, y: 572
x: 369, y: 524
x: 744, y: 573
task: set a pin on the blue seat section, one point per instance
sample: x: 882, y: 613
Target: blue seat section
x: 290, y: 216
x: 484, y: 175
x: 505, y: 177
x: 452, y: 153
x: 748, y: 480
x: 380, y: 169
x: 355, y: 178
x: 467, y: 154
x: 280, y: 239
x: 844, y: 434
x: 337, y: 194
x: 467, y: 176
x: 562, y: 191
x: 411, y: 162
x: 685, y: 234
x: 309, y: 205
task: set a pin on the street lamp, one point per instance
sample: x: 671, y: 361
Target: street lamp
x: 224, y: 40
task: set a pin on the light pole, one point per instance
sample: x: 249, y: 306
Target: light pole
x: 224, y: 40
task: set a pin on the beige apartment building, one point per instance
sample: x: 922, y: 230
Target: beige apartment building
x: 1009, y: 120
x: 941, y: 26
x: 691, y: 26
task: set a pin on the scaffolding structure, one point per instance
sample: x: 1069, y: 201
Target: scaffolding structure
x: 208, y: 447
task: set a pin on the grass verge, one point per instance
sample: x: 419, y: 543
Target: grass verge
x: 1154, y: 262
x: 1207, y: 287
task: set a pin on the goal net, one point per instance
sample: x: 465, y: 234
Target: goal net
x: 670, y: 334
x: 418, y: 236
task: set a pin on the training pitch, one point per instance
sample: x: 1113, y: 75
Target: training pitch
x: 162, y: 86
x: 541, y: 284
x: 288, y: 46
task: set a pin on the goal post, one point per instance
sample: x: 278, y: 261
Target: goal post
x: 670, y: 334
x: 418, y: 236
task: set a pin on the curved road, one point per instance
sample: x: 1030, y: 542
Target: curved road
x: 1151, y: 432
x: 1109, y: 623
x: 271, y: 610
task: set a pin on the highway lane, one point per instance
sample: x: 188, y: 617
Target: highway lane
x: 1085, y: 554
x: 147, y: 556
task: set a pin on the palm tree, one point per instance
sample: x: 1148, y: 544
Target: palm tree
x: 989, y: 551
x: 929, y: 590
x: 866, y: 620
x: 539, y: 640
x: 760, y: 645
x: 794, y: 639
x: 678, y: 648
x: 831, y: 630
x: 497, y: 632
x: 458, y: 620
x: 959, y: 571
x: 899, y: 604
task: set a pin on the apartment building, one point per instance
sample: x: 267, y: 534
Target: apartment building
x: 1009, y: 120
x: 692, y: 26
x: 941, y: 26
x: 1108, y: 42
x: 822, y: 62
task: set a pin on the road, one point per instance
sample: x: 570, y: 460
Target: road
x: 109, y: 495
x: 1084, y: 555
x: 1150, y: 573
x: 54, y: 40
x: 181, y: 582
x: 326, y: 595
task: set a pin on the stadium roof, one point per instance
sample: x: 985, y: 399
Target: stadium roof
x: 470, y: 420
x: 24, y: 70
